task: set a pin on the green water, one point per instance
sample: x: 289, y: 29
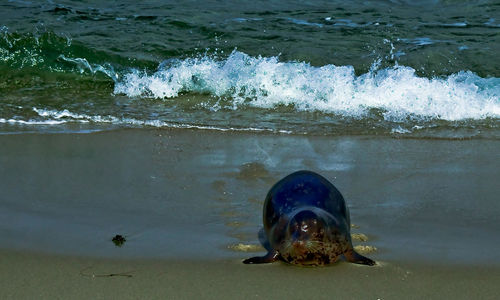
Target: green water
x: 105, y: 65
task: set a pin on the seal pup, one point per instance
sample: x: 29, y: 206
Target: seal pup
x: 306, y: 222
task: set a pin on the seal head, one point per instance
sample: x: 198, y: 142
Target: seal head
x: 308, y: 243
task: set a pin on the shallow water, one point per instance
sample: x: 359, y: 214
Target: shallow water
x: 313, y: 67
x: 433, y: 201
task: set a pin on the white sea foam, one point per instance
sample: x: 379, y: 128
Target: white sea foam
x: 30, y: 122
x: 84, y: 66
x: 266, y: 82
x: 55, y: 117
x: 400, y: 130
x: 304, y: 22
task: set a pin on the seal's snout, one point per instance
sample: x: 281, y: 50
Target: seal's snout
x: 299, y: 247
x: 299, y: 244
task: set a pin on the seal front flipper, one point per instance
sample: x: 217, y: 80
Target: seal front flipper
x: 270, y: 257
x: 355, y: 257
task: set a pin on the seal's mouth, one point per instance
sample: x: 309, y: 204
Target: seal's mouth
x: 308, y: 253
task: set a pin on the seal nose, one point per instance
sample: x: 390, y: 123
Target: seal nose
x: 299, y: 247
x: 298, y: 243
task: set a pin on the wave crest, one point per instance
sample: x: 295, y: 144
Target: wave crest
x: 265, y: 82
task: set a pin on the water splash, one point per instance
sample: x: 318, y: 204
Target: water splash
x: 265, y: 82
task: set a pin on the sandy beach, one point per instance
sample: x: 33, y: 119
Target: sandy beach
x: 28, y: 276
x: 187, y: 202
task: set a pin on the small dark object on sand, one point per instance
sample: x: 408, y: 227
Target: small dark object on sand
x: 118, y: 240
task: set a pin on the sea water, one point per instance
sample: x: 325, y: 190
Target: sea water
x: 405, y: 68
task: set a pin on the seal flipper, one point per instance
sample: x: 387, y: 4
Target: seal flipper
x: 270, y: 257
x: 355, y: 257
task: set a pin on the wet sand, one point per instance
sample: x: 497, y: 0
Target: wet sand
x: 187, y: 199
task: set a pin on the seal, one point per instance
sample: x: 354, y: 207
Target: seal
x: 306, y: 222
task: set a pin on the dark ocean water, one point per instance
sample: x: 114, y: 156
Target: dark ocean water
x: 410, y: 68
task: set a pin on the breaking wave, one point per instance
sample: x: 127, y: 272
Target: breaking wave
x: 265, y: 82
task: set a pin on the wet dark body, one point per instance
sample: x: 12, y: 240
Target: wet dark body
x: 306, y: 222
